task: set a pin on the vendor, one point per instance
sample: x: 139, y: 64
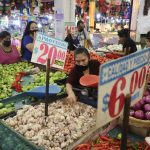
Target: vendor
x: 129, y: 46
x: 8, y: 53
x: 27, y: 43
x: 83, y: 66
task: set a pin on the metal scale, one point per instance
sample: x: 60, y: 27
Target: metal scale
x: 87, y: 95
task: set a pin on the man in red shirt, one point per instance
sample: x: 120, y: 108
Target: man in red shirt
x: 83, y: 66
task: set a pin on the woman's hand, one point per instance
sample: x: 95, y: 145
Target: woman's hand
x: 72, y: 98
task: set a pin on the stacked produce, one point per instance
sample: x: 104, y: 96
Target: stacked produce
x: 69, y: 64
x: 141, y: 110
x: 40, y: 79
x: 6, y: 108
x: 7, y: 77
x: 63, y: 126
x: 108, y: 143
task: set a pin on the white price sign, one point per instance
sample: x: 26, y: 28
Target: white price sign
x: 118, y: 78
x: 48, y: 47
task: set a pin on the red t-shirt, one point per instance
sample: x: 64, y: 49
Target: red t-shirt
x: 75, y: 74
x: 9, y: 58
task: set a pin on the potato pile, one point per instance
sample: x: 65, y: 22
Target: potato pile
x: 62, y: 127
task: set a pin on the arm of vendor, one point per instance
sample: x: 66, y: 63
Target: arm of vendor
x: 83, y: 66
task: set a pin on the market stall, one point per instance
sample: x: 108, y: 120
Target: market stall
x: 79, y: 121
x: 34, y: 110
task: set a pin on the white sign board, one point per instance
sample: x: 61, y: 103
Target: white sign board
x: 48, y: 47
x: 118, y: 78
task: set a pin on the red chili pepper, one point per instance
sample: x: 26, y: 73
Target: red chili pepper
x: 105, y: 138
x: 83, y: 147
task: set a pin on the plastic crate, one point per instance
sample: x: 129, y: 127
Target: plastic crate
x: 11, y: 140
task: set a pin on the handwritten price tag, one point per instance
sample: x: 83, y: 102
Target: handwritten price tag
x: 118, y: 78
x: 47, y: 47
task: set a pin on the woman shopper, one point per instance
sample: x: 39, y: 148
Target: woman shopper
x: 27, y: 43
x: 8, y: 52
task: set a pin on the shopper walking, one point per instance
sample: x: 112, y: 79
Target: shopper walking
x: 27, y: 43
x: 8, y: 53
x: 83, y: 36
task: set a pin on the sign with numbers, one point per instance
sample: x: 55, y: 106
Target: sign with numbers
x: 118, y: 78
x: 48, y: 47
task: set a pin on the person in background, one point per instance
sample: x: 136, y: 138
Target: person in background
x: 129, y: 46
x: 148, y: 39
x: 83, y: 36
x: 83, y: 66
x: 71, y: 42
x: 27, y: 43
x: 97, y: 31
x: 8, y: 53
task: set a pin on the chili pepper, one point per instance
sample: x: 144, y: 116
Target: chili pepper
x: 105, y: 138
x: 83, y: 147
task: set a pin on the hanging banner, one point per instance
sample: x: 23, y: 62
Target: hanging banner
x: 118, y: 78
x: 48, y: 47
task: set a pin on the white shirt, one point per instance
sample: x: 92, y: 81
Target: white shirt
x: 82, y: 36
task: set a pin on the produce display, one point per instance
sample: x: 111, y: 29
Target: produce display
x: 9, y: 140
x: 141, y: 110
x: 63, y: 126
x: 109, y: 48
x: 7, y: 77
x: 40, y: 79
x: 69, y: 63
x: 6, y: 108
x: 10, y: 79
x: 108, y: 143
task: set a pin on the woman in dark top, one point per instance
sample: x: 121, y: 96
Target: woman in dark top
x: 83, y: 65
x: 129, y: 46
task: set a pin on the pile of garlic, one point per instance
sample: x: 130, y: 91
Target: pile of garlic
x: 63, y: 126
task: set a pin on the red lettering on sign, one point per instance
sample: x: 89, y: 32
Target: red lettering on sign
x: 44, y: 48
x: 121, y: 83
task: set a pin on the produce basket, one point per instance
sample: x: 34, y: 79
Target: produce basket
x: 138, y: 122
x: 138, y: 127
x: 11, y: 140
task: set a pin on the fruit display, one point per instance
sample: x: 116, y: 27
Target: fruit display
x: 108, y: 143
x: 7, y: 77
x: 40, y: 80
x: 64, y: 124
x: 69, y: 63
x: 6, y: 108
x: 141, y: 110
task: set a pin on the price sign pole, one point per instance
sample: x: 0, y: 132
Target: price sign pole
x: 47, y: 87
x: 123, y: 145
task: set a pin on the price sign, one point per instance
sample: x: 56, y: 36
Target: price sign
x: 48, y: 47
x: 118, y: 78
